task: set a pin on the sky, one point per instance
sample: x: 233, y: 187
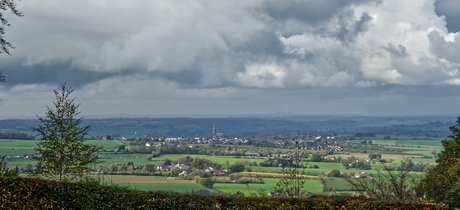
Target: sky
x: 195, y: 57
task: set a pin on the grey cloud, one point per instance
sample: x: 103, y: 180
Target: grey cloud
x: 311, y: 12
x: 400, y: 51
x: 348, y: 32
x: 451, y: 10
x: 192, y: 50
x: 57, y: 74
x: 448, y: 50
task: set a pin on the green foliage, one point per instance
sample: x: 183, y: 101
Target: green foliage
x: 334, y: 173
x: 361, y: 165
x: 207, y: 182
x: 26, y: 193
x: 292, y: 180
x: 201, y: 163
x: 315, y: 158
x: 389, y: 185
x: 121, y: 147
x: 64, y: 153
x: 166, y: 162
x: 149, y: 167
x: 375, y: 156
x: 236, y: 168
x: 365, y: 134
x: 442, y: 184
x: 5, y: 171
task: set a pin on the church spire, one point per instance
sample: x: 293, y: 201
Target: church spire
x: 214, y: 130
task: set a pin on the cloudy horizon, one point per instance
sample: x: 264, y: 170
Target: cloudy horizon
x: 235, y: 57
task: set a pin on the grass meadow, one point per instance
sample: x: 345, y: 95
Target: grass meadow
x: 411, y: 143
x: 163, y: 186
x: 338, y: 184
x: 154, y: 183
x: 269, y: 184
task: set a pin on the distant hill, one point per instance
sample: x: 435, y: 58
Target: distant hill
x: 246, y: 126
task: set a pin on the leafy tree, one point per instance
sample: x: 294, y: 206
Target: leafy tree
x: 64, y: 153
x: 334, y: 173
x: 28, y: 168
x: 207, y: 182
x: 212, y: 144
x: 122, y: 167
x: 315, y: 158
x: 121, y: 147
x: 375, y: 156
x: 5, y: 171
x: 387, y: 137
x: 166, y: 162
x: 202, y: 163
x: 361, y: 165
x: 236, y: 168
x: 434, y: 152
x: 6, y: 5
x: 113, y: 167
x: 442, y: 184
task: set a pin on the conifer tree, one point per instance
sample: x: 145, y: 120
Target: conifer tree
x: 64, y: 153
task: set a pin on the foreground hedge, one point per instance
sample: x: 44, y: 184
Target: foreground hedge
x: 33, y: 193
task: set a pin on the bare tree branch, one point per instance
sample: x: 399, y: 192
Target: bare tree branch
x: 6, y: 5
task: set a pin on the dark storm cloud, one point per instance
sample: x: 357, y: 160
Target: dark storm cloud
x: 57, y: 74
x: 243, y: 50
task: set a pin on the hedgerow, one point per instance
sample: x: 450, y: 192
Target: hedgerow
x: 35, y: 193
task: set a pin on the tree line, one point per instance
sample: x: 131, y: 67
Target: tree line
x: 16, y: 135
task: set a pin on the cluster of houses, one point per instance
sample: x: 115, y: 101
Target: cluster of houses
x: 184, y: 167
x: 198, y: 140
x: 170, y: 167
x: 320, y: 147
x: 354, y: 175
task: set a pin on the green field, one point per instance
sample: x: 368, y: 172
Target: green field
x: 269, y: 184
x: 338, y: 184
x: 423, y: 160
x: 412, y: 143
x: 164, y: 186
x: 108, y: 144
x: 17, y: 147
x: 219, y: 159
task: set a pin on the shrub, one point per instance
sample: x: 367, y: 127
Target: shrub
x: 27, y: 193
x: 236, y: 168
x: 207, y: 182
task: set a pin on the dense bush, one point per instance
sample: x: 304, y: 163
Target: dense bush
x: 207, y: 182
x: 236, y: 168
x: 33, y: 193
